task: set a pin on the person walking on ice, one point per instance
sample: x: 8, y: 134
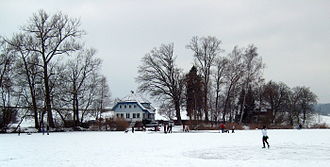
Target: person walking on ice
x: 264, y: 137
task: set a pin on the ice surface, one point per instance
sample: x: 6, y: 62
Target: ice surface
x: 204, y: 148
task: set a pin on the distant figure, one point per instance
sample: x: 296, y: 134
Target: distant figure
x: 170, y: 126
x: 165, y: 129
x: 299, y: 126
x: 43, y: 129
x: 223, y: 128
x: 186, y: 128
x: 233, y: 129
x: 19, y: 130
x: 132, y: 129
x: 47, y: 129
x: 264, y: 137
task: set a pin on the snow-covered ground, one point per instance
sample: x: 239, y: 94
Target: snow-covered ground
x: 323, y: 119
x: 205, y: 148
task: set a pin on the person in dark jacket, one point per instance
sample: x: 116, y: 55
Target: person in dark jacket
x: 47, y: 129
x: 170, y: 126
x: 43, y: 129
x: 19, y: 130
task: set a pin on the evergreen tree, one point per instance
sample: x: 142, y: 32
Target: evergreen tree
x: 194, y: 94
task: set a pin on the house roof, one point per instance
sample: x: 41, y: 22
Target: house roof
x: 139, y: 100
x: 135, y: 97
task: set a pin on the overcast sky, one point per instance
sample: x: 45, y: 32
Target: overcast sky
x: 292, y: 36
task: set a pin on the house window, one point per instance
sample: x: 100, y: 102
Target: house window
x: 144, y: 115
x: 119, y: 106
x: 122, y: 115
x: 129, y: 106
x: 117, y: 115
x: 138, y: 115
x: 134, y: 106
x: 125, y: 106
x: 134, y: 115
x: 127, y: 115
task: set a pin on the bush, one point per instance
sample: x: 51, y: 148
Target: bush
x: 281, y: 126
x: 69, y: 124
x: 117, y: 124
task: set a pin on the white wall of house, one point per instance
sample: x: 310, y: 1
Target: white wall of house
x: 130, y: 116
x: 131, y: 111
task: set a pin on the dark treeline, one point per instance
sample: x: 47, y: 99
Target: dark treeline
x: 47, y: 74
x: 222, y: 87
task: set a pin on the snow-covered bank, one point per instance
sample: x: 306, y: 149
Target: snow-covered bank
x: 323, y: 119
x: 243, y: 148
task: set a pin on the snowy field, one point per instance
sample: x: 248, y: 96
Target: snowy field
x: 205, y: 148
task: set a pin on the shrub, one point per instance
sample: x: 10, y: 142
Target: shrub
x: 117, y: 124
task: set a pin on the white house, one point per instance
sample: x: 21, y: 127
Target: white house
x: 134, y: 108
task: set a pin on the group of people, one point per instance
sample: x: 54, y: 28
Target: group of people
x: 43, y: 129
x: 168, y: 127
x: 224, y: 130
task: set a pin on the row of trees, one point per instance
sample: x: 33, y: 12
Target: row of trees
x: 46, y: 70
x: 226, y: 88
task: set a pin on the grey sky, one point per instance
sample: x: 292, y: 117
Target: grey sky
x: 293, y: 36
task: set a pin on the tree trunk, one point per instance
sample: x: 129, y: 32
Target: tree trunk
x: 47, y: 97
x: 205, y: 104
x: 217, y: 104
x: 225, y: 109
x: 178, y: 113
x: 304, y: 113
x: 35, y: 111
x: 226, y: 104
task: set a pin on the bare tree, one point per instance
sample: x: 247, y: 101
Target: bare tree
x: 205, y: 50
x: 309, y: 99
x: 306, y: 100
x: 29, y: 73
x: 252, y: 71
x: 77, y: 75
x: 49, y: 37
x: 167, y: 110
x: 6, y: 62
x: 159, y: 76
x: 101, y: 94
x: 276, y: 95
x: 233, y: 74
x: 219, y: 80
x: 8, y: 100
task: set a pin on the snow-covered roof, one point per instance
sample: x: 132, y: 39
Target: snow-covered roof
x: 143, y: 103
x: 135, y: 97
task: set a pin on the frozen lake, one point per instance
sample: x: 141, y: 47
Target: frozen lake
x: 205, y: 148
